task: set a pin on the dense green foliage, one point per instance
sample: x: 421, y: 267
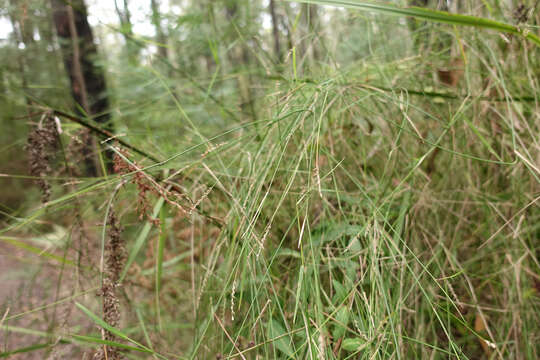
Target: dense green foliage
x: 366, y: 188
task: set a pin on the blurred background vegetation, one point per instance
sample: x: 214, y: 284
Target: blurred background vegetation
x: 261, y: 179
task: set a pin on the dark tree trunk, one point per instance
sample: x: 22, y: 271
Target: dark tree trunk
x: 87, y: 79
x: 275, y: 30
x: 160, y: 35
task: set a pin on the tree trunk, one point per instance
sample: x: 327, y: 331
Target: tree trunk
x: 311, y: 19
x: 160, y: 35
x: 284, y: 20
x: 240, y: 57
x: 87, y: 79
x: 22, y: 37
x: 22, y: 21
x: 275, y: 30
x: 127, y: 31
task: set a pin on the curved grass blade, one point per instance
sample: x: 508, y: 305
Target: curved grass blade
x: 431, y: 15
x: 30, y: 348
x: 141, y: 239
x: 36, y: 250
x: 95, y: 340
x: 159, y: 261
x: 138, y: 346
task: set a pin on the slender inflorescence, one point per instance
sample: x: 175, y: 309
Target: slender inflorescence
x: 42, y: 142
x: 115, y: 258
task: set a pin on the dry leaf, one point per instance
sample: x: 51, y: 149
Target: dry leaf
x: 480, y: 327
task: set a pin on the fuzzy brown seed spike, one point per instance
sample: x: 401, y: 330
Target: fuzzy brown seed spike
x: 42, y: 142
x: 115, y: 258
x: 115, y: 250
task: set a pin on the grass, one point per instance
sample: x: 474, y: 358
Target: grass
x: 370, y: 212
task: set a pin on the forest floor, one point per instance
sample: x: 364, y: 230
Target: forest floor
x: 32, y: 296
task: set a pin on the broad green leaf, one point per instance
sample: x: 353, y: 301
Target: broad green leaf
x: 342, y: 320
x: 353, y: 344
x: 340, y: 292
x: 281, y: 338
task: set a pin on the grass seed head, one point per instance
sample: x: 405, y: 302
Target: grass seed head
x: 42, y: 142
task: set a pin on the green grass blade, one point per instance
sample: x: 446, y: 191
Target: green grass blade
x: 159, y: 261
x: 95, y: 340
x: 30, y: 348
x: 141, y: 239
x: 111, y: 329
x: 430, y: 15
x: 36, y: 250
x: 143, y: 327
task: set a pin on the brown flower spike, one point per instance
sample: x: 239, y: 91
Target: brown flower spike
x: 43, y: 140
x: 115, y: 258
